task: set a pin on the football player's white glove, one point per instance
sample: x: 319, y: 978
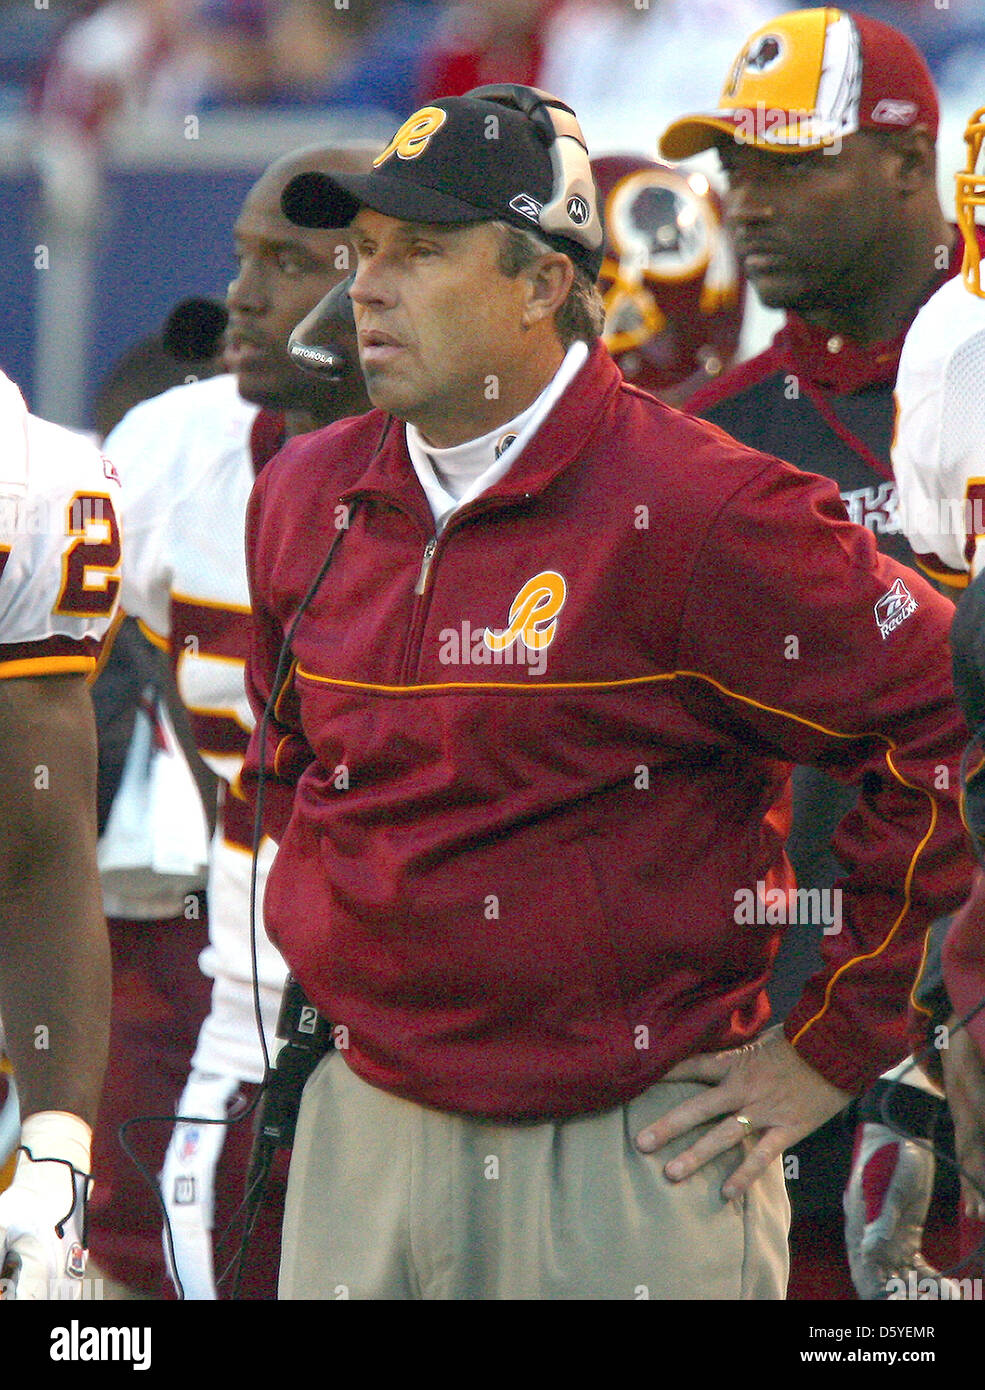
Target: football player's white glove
x: 43, y: 1213
x: 188, y: 1182
x: 886, y: 1203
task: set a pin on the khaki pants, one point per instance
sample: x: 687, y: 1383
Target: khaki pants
x: 390, y: 1200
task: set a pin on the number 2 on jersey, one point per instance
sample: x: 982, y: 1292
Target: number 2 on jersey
x: 91, y: 564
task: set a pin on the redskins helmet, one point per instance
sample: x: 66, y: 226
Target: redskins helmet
x: 971, y: 195
x: 670, y: 280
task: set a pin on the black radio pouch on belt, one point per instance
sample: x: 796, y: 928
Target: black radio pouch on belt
x: 307, y: 1037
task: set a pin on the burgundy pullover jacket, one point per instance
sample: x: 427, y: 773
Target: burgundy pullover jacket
x: 519, y: 772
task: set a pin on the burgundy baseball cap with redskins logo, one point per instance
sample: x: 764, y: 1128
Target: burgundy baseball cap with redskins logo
x: 809, y: 78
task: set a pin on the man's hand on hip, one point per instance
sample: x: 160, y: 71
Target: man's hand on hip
x: 763, y: 1092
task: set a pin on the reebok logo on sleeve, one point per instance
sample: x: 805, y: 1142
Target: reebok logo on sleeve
x: 894, y: 608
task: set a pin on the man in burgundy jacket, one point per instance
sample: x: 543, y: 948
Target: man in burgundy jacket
x: 528, y: 675
x: 825, y: 129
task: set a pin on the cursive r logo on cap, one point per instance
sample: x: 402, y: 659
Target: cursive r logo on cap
x: 414, y: 136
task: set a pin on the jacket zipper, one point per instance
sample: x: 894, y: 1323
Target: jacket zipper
x: 429, y: 550
x: 413, y: 650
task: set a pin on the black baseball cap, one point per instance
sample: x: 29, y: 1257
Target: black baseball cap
x: 456, y: 160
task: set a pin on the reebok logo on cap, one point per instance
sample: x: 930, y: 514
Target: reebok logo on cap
x: 889, y: 112
x: 526, y: 206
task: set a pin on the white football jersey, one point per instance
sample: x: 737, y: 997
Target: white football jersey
x: 59, y: 544
x: 13, y: 428
x: 939, y: 446
x: 187, y: 470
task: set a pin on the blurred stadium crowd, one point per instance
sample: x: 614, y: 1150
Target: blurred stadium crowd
x: 97, y: 98
x: 92, y: 63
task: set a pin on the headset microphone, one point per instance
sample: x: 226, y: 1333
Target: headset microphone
x: 316, y: 343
